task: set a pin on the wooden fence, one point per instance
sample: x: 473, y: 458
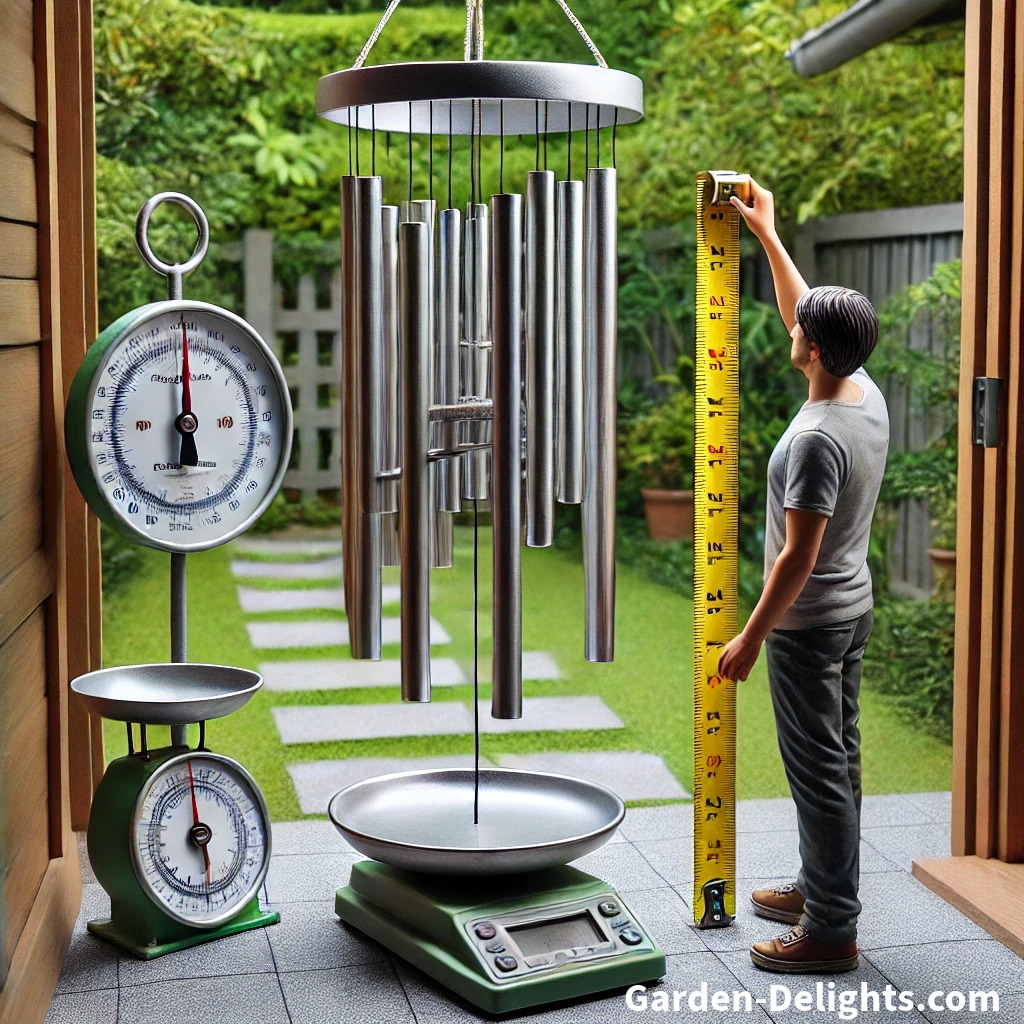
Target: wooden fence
x: 877, y: 253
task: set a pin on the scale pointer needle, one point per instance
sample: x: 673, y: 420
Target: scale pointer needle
x: 199, y: 833
x: 186, y: 423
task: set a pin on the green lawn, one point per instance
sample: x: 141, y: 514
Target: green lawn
x: 649, y: 685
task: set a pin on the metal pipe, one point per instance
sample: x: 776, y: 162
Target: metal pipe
x: 390, y: 539
x: 391, y: 413
x: 449, y: 329
x: 476, y: 345
x: 414, y: 301
x: 601, y: 326
x: 361, y: 547
x: 370, y: 342
x: 539, y: 301
x: 460, y: 411
x: 179, y: 629
x: 569, y: 347
x: 506, y: 456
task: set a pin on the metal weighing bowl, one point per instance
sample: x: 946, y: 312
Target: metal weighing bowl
x: 169, y: 694
x: 423, y: 821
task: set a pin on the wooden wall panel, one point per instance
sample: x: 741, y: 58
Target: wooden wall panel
x: 19, y: 250
x: 17, y: 64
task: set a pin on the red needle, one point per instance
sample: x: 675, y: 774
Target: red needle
x: 186, y: 377
x: 195, y: 819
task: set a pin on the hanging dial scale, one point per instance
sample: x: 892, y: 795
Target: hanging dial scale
x: 178, y: 432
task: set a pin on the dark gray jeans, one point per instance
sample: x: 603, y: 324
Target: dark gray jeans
x: 815, y: 685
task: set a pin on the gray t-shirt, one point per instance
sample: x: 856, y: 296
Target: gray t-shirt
x: 830, y: 460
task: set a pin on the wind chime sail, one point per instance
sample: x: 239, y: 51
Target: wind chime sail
x: 479, y: 349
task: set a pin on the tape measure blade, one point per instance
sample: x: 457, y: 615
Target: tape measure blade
x: 716, y: 546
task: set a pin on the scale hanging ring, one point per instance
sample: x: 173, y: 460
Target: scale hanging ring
x: 174, y: 272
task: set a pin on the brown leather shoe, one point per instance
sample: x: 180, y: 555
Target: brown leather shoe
x: 799, y: 952
x: 783, y: 903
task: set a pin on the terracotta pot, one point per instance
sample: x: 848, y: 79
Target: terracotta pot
x: 943, y: 568
x: 669, y: 514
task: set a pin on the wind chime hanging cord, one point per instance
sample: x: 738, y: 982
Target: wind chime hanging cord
x: 474, y: 44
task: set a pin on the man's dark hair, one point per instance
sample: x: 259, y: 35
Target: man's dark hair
x: 842, y: 323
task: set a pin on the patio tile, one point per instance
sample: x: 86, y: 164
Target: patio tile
x: 746, y: 928
x: 307, y: 837
x: 96, y: 1007
x: 900, y: 911
x: 544, y: 714
x: 622, y: 866
x: 778, y: 815
x: 344, y: 674
x: 672, y: 859
x: 540, y: 665
x: 310, y: 937
x: 245, y: 953
x: 632, y: 774
x: 255, y: 601
x: 326, y: 569
x: 305, y: 878
x: 779, y: 990
x: 667, y: 918
x: 205, y: 1001
x: 280, y: 546
x: 89, y: 963
x: 326, y: 633
x: 979, y: 964
x: 890, y: 809
x: 369, y: 994
x: 88, y: 876
x: 316, y: 782
x: 671, y: 821
x: 324, y: 722
x: 938, y: 806
x: 902, y: 845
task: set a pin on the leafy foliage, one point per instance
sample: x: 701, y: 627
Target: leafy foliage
x: 910, y: 660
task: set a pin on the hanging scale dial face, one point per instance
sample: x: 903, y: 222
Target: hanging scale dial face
x: 200, y: 839
x: 179, y: 425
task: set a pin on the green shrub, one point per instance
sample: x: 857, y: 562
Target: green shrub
x: 910, y: 660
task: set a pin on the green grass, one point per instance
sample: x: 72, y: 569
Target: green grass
x: 649, y: 685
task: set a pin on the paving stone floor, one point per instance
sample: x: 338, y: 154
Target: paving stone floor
x: 310, y: 968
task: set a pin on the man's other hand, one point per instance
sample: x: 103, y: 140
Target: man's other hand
x: 738, y: 657
x: 760, y: 215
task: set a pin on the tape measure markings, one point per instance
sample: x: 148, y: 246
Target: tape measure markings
x: 715, y: 551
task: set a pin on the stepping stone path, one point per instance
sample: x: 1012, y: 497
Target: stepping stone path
x: 634, y: 775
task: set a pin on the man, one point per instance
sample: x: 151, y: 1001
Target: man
x: 814, y: 614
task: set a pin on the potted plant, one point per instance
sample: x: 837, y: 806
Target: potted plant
x: 656, y: 458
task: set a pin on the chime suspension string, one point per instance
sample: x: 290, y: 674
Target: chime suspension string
x: 615, y: 127
x: 410, y: 152
x: 536, y: 134
x: 357, y: 142
x: 373, y: 140
x: 597, y: 161
x: 350, y: 146
x: 568, y: 142
x: 586, y: 136
x: 545, y: 135
x: 450, y: 134
x: 431, y: 158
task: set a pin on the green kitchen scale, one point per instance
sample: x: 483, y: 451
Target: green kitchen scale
x: 178, y: 432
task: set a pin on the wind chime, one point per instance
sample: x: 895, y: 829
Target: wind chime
x: 478, y: 345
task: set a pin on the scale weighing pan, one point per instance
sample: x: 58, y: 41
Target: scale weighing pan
x: 166, y: 694
x: 423, y: 821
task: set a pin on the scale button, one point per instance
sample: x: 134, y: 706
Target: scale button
x: 495, y: 947
x: 506, y: 963
x: 609, y: 908
x: 485, y: 930
x: 631, y: 937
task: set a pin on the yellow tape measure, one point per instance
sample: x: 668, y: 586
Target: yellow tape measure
x: 715, y: 544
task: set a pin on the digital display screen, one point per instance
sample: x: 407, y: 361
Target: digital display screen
x: 561, y: 933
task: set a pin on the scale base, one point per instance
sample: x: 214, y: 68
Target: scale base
x: 179, y: 936
x: 428, y: 920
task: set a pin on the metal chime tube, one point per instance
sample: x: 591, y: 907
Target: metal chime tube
x: 476, y: 352
x: 569, y: 330
x: 389, y: 265
x: 506, y: 457
x: 601, y: 326
x: 415, y: 343
x: 360, y: 533
x: 449, y: 293
x: 540, y: 358
x: 370, y: 343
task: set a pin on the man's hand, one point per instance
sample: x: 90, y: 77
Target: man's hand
x: 760, y: 215
x: 738, y: 657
